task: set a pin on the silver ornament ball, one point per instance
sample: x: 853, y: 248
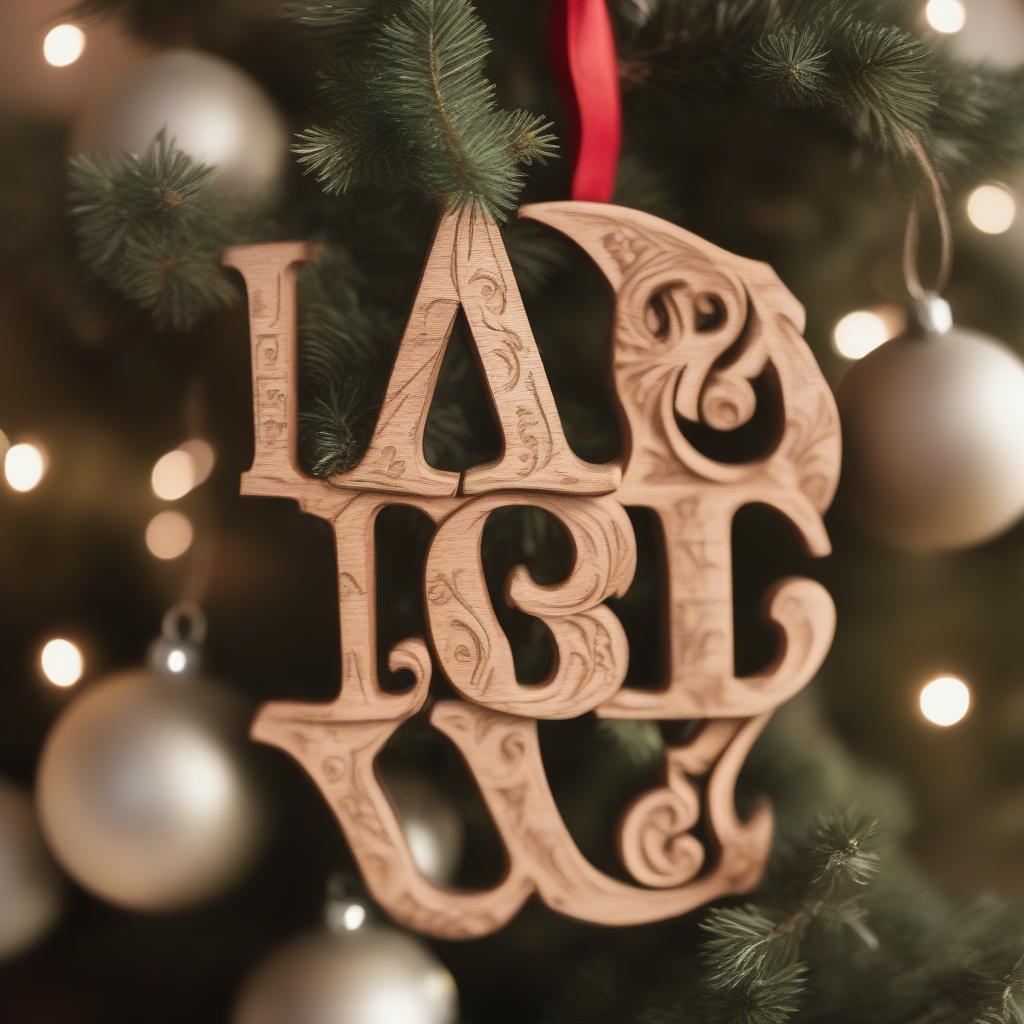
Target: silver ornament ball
x: 144, y: 793
x: 210, y: 109
x: 31, y: 892
x: 933, y: 436
x: 372, y: 975
x: 431, y: 825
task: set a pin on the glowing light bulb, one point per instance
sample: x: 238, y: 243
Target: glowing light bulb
x: 992, y: 209
x: 863, y: 330
x: 177, y: 659
x: 61, y: 662
x: 945, y: 700
x: 946, y: 16
x: 173, y: 475
x: 180, y: 471
x: 63, y: 45
x: 168, y: 535
x: 353, y: 916
x: 24, y: 466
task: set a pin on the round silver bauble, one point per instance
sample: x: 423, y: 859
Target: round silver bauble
x: 371, y: 975
x: 933, y: 435
x: 31, y: 892
x: 431, y: 825
x: 143, y: 790
x: 209, y: 108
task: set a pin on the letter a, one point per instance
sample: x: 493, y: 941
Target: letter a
x: 469, y: 268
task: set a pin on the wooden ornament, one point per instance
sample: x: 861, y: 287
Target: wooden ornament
x: 694, y: 328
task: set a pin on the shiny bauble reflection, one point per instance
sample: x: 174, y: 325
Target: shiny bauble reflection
x: 431, y: 825
x: 144, y: 794
x: 373, y: 975
x: 209, y: 108
x: 933, y: 438
x: 31, y: 892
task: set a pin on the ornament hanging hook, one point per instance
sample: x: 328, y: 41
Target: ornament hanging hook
x: 912, y: 234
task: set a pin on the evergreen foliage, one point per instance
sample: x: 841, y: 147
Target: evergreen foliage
x: 844, y: 930
x: 412, y: 106
x: 150, y: 229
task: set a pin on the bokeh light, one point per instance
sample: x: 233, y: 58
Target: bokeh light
x: 863, y: 330
x: 173, y: 475
x: 177, y: 660
x: 946, y: 16
x: 945, y: 700
x: 203, y: 458
x: 61, y: 662
x: 24, y: 466
x: 992, y: 209
x: 182, y: 470
x: 63, y: 45
x: 168, y: 535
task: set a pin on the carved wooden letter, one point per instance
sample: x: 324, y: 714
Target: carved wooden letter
x: 468, y: 268
x: 694, y: 328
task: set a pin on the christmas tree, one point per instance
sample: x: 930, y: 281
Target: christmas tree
x: 798, y: 133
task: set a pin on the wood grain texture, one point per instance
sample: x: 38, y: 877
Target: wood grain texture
x: 694, y: 326
x: 696, y: 332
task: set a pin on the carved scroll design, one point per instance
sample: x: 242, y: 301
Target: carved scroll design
x: 468, y: 268
x: 503, y: 753
x: 666, y: 363
x: 339, y: 757
x: 694, y: 327
x: 590, y: 643
x: 669, y: 363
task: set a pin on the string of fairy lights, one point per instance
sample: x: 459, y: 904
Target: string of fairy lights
x: 168, y: 533
x: 991, y: 208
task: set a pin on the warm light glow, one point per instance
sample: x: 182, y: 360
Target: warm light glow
x: 61, y: 662
x: 63, y: 45
x: 173, y: 475
x: 180, y: 471
x: 24, y: 466
x: 168, y: 535
x: 177, y: 660
x: 863, y: 330
x: 353, y: 916
x: 945, y: 701
x: 203, y: 458
x: 947, y: 16
x: 992, y: 209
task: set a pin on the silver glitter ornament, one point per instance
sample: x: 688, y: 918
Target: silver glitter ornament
x: 210, y: 109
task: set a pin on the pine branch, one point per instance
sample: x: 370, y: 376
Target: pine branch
x: 416, y: 109
x: 771, y: 1000
x: 1006, y: 1004
x: 885, y: 81
x: 327, y: 14
x: 753, y: 953
x: 857, y: 62
x: 792, y: 67
x: 152, y: 228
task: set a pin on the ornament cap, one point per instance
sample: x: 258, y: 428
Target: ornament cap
x: 930, y: 314
x: 344, y: 911
x: 176, y: 652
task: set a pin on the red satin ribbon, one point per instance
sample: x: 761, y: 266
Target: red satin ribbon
x: 586, y: 67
